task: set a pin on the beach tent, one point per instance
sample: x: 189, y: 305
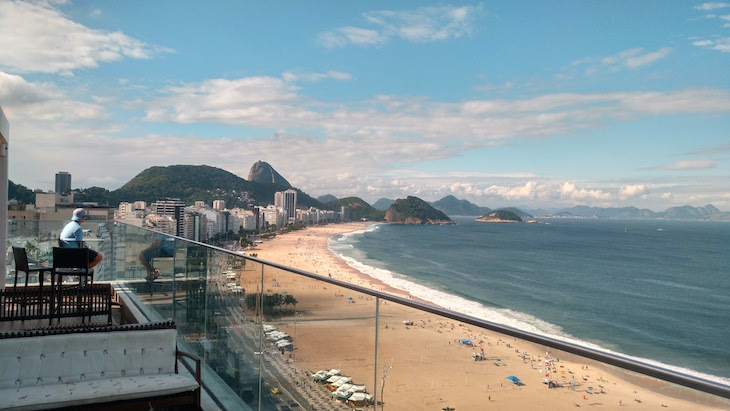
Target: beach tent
x: 337, y: 381
x: 513, y: 379
x: 466, y: 341
x: 343, y: 392
x: 342, y: 381
x: 359, y: 399
x: 320, y: 375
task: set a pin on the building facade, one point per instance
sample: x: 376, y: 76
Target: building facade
x: 63, y: 182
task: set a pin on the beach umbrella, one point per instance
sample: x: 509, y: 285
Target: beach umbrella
x: 513, y: 379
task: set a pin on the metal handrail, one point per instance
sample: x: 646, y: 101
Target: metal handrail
x: 689, y: 381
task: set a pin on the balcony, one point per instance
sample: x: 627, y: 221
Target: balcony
x: 272, y: 337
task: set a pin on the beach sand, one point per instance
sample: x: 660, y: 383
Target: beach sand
x: 427, y: 366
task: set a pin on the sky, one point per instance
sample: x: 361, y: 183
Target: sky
x: 502, y: 103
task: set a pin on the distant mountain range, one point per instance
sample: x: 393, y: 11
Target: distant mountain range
x: 205, y: 183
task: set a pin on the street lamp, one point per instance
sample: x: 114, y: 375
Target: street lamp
x: 386, y: 371
x: 297, y: 319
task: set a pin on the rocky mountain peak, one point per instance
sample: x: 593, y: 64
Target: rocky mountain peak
x: 262, y: 172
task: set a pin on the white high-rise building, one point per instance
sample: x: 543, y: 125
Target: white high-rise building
x: 288, y: 201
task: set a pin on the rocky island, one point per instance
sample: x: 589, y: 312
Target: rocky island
x: 413, y: 210
x: 500, y: 216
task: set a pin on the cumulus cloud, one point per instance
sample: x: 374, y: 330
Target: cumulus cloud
x: 30, y: 41
x: 570, y: 191
x: 632, y: 191
x: 425, y: 24
x: 43, y: 101
x: 422, y: 125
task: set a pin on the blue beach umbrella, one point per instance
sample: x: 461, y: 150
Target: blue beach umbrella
x: 513, y: 379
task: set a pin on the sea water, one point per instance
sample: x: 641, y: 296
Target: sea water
x: 655, y: 290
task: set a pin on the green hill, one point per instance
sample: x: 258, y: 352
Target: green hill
x: 413, y: 210
x: 500, y: 216
x: 451, y: 205
x: 359, y: 209
x: 20, y: 193
x: 191, y: 183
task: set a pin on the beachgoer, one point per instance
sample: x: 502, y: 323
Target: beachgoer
x: 72, y: 236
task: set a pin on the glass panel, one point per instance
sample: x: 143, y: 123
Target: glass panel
x: 427, y: 361
x: 228, y: 310
x: 312, y: 330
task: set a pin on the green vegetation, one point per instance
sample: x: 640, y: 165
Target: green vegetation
x: 359, y: 209
x: 501, y: 215
x: 190, y: 184
x: 272, y: 303
x: 20, y: 193
x: 415, y: 208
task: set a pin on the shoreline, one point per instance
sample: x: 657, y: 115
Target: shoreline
x: 307, y: 250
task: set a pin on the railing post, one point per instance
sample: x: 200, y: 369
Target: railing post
x: 375, y: 366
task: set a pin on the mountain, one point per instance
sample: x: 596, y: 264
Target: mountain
x: 451, y: 205
x: 191, y: 183
x: 327, y: 198
x: 500, y: 216
x: 690, y: 213
x: 413, y: 210
x: 611, y: 212
x: 359, y: 209
x: 519, y: 212
x: 383, y: 204
x: 262, y: 172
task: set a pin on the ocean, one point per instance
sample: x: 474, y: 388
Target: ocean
x: 654, y: 290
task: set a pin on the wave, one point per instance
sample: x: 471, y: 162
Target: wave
x: 338, y: 245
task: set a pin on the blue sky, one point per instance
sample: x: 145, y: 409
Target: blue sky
x: 541, y: 104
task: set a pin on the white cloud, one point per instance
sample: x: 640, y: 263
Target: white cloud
x: 687, y: 165
x: 425, y: 24
x: 667, y: 196
x: 628, y: 59
x: 633, y: 190
x: 570, y: 191
x: 43, y: 101
x: 30, y: 41
x: 719, y: 44
x: 344, y: 36
x: 712, y: 6
x: 315, y: 77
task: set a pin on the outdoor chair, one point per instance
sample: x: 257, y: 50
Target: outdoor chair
x: 22, y: 265
x: 73, y: 262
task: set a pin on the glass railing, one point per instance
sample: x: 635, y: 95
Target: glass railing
x: 273, y: 337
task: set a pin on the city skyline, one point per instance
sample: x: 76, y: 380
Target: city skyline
x: 551, y: 105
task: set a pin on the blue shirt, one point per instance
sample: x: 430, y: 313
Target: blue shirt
x: 71, y: 235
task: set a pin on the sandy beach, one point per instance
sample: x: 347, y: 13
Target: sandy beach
x: 427, y: 365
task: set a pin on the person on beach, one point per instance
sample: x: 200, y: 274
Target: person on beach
x: 72, y: 236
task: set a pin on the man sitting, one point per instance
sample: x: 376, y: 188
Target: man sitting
x: 72, y: 236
